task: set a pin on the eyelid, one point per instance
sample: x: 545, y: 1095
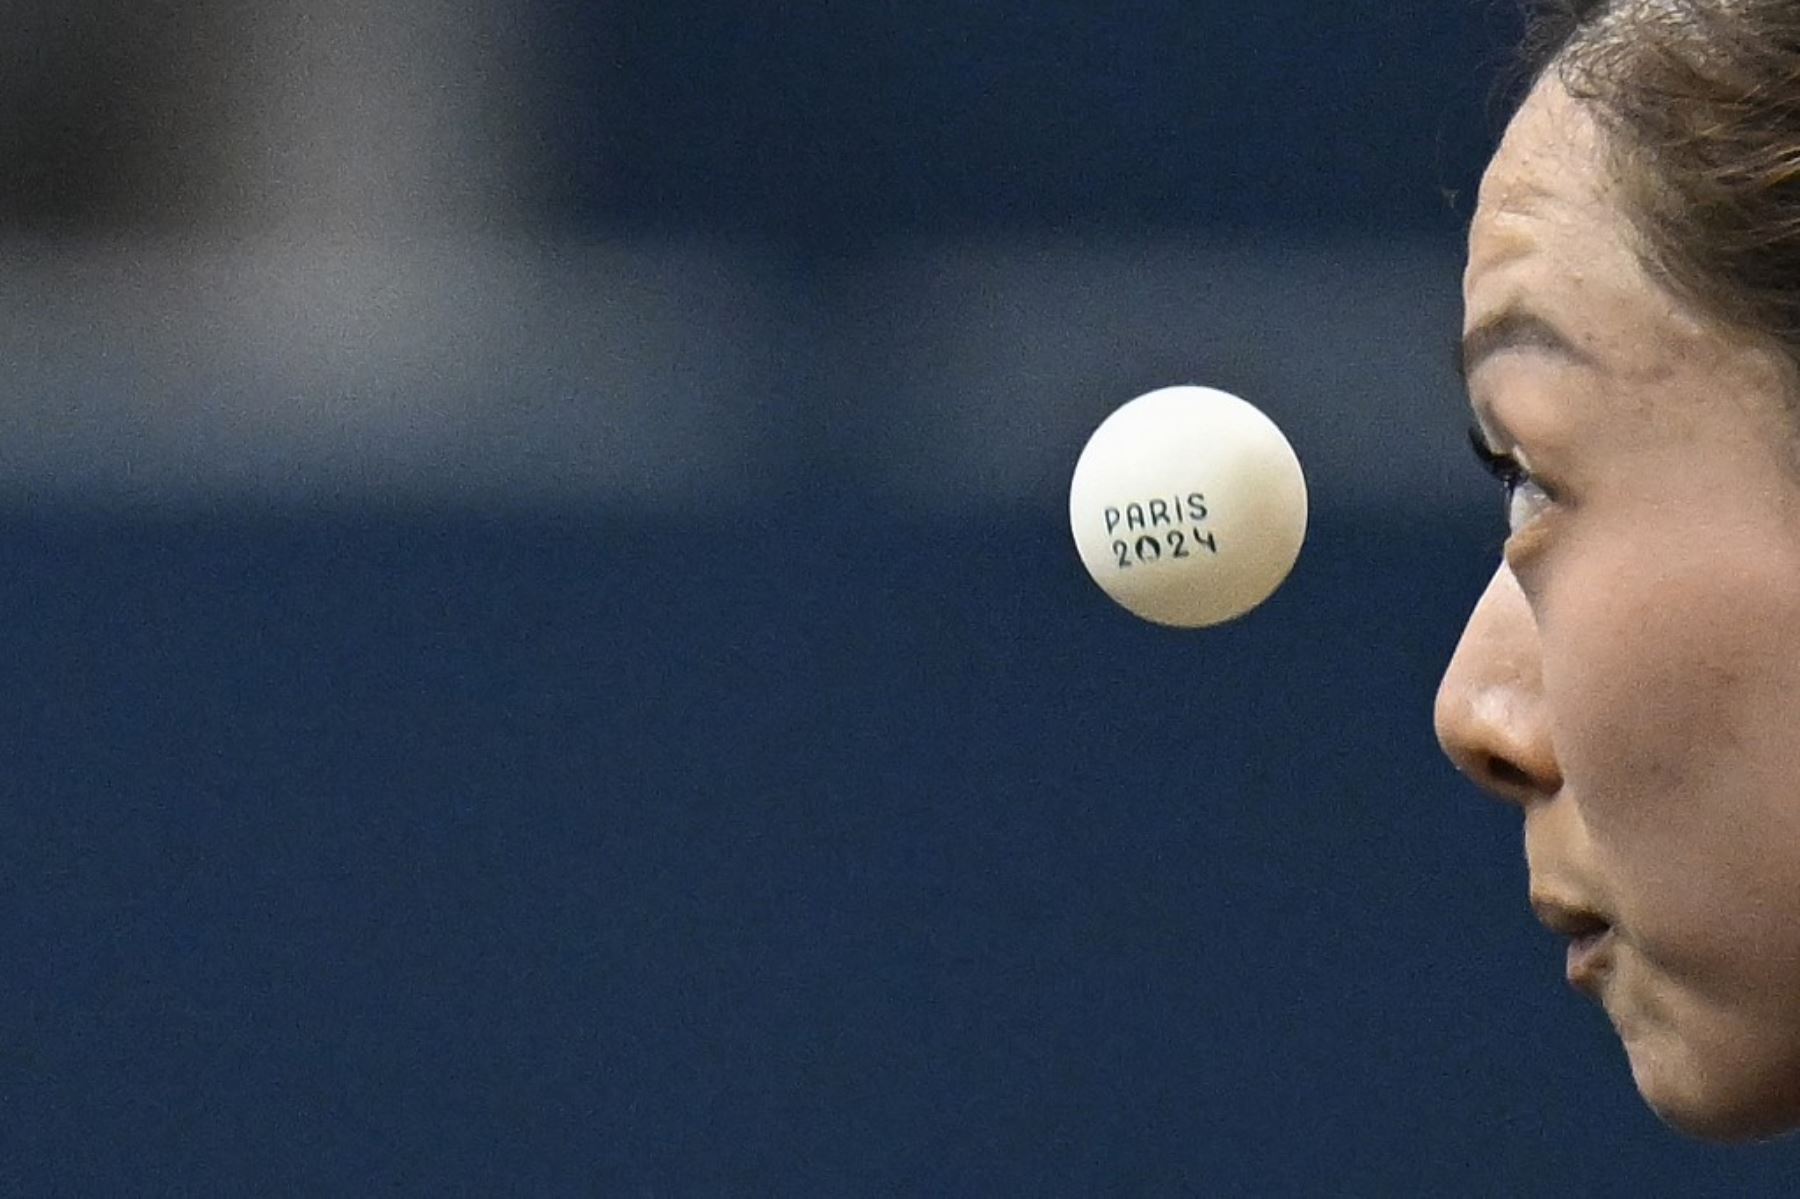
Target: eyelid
x: 1522, y: 547
x: 1485, y: 423
x: 1524, y: 537
x: 1503, y: 466
x: 1509, y: 465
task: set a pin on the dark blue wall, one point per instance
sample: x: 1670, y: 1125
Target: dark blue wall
x: 849, y: 122
x: 801, y: 851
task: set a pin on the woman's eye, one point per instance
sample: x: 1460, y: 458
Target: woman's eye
x: 1524, y: 500
x: 1525, y: 496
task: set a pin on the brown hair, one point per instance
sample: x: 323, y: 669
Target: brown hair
x: 1701, y: 103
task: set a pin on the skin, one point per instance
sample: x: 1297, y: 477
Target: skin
x: 1630, y: 679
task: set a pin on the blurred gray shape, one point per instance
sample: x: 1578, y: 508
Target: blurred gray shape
x: 335, y: 370
x: 365, y: 117
x: 981, y: 369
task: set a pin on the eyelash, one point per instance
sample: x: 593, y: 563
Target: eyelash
x: 1503, y: 467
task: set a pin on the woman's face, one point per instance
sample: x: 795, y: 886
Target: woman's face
x: 1631, y: 677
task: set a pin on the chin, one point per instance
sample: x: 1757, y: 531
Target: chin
x: 1720, y: 1106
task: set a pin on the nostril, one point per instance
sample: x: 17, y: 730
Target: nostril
x: 1503, y: 774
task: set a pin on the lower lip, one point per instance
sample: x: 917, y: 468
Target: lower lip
x: 1587, y: 957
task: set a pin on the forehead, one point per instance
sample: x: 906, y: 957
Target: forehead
x: 1546, y: 184
x: 1550, y: 237
x: 1550, y: 130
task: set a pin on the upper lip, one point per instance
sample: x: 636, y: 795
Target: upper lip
x: 1567, y: 917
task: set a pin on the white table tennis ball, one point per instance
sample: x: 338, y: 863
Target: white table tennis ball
x: 1188, y: 506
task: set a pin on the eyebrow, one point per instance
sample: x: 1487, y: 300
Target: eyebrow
x: 1514, y: 329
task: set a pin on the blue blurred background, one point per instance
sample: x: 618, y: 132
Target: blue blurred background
x: 542, y: 652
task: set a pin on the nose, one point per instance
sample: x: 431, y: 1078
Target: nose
x: 1491, y: 716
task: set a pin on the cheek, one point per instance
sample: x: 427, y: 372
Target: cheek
x: 1674, y: 694
x: 1673, y: 682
